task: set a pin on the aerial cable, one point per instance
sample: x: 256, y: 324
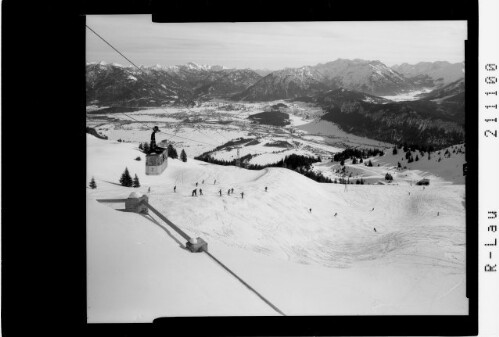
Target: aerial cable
x: 126, y: 58
x: 168, y: 133
x: 116, y: 50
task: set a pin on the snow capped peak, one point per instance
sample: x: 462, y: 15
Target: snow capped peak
x: 196, y: 66
x: 193, y: 65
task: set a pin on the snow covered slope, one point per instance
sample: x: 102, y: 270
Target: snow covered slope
x: 137, y: 271
x: 438, y: 167
x: 286, y: 243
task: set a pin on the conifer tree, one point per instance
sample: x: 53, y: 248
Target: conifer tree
x: 126, y: 179
x: 183, y: 156
x: 92, y: 184
x: 354, y: 161
x: 342, y: 163
x: 394, y: 150
x: 136, y: 182
x: 172, y: 153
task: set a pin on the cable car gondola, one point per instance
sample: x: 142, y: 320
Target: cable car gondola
x: 156, y: 158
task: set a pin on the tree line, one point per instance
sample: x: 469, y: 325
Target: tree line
x: 356, y: 153
x: 298, y: 163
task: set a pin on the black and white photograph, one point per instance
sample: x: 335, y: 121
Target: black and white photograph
x: 274, y: 168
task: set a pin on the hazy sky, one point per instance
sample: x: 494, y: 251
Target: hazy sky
x: 273, y: 45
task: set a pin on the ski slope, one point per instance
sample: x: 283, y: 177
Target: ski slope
x: 137, y: 272
x: 305, y: 262
x: 438, y: 168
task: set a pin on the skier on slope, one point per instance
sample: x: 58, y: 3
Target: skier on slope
x: 220, y: 192
x: 194, y: 193
x: 174, y: 188
x: 242, y: 195
x: 200, y: 191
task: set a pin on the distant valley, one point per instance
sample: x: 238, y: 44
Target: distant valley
x: 357, y: 95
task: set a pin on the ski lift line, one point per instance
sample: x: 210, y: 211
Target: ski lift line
x: 185, y: 236
x: 116, y: 50
x: 166, y: 132
x: 111, y: 200
x: 171, y: 224
x: 126, y: 58
x: 245, y: 284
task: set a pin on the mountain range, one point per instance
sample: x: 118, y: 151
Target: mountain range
x: 182, y: 84
x: 348, y: 90
x: 287, y: 83
x: 436, y: 120
x: 440, y: 72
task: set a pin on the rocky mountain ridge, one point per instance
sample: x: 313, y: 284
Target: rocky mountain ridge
x: 183, y: 84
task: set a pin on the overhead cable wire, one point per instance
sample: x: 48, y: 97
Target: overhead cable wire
x: 169, y: 134
x: 131, y: 62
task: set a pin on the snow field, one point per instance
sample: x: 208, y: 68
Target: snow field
x: 136, y: 272
x: 304, y: 262
x: 281, y: 217
x: 408, y: 96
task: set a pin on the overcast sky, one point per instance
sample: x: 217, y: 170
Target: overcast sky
x: 273, y: 45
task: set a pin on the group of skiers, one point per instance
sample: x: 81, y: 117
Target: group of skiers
x: 195, y: 191
x: 231, y: 191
